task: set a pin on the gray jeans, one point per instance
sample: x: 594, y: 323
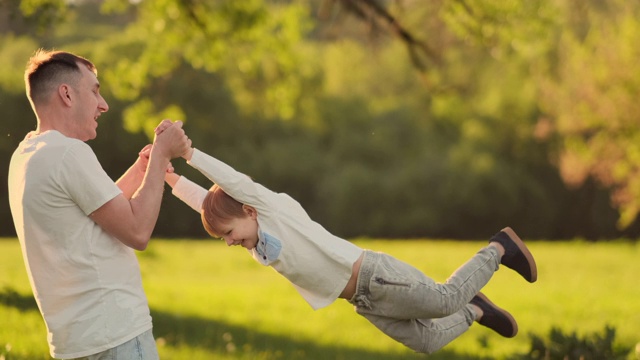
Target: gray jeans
x: 412, y: 308
x: 142, y: 347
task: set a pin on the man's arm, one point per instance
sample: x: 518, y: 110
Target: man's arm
x: 132, y: 220
x: 131, y: 180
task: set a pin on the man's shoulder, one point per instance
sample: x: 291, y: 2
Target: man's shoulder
x: 52, y: 139
x: 65, y: 146
x: 53, y: 150
x: 56, y: 138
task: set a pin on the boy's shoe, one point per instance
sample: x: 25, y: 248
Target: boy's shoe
x: 495, y: 318
x: 516, y: 255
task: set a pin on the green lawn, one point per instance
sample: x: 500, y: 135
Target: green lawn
x: 209, y: 301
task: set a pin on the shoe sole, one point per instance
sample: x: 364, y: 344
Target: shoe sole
x: 525, y: 251
x: 503, y: 312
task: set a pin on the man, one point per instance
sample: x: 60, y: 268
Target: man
x: 77, y: 228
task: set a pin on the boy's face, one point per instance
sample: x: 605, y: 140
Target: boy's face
x: 242, y: 231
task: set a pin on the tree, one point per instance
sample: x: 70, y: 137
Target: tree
x: 433, y: 126
x: 589, y: 92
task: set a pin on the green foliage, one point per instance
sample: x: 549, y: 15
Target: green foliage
x: 316, y: 107
x: 14, y: 52
x: 504, y: 26
x: 141, y: 118
x: 569, y: 346
x: 593, y: 99
x: 249, y: 40
x: 46, y: 13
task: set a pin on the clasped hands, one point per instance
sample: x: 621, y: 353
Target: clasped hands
x: 170, y: 140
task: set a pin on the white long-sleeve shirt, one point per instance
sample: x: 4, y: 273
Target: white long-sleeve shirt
x: 316, y: 262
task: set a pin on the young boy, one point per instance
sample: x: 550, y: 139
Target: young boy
x: 397, y: 298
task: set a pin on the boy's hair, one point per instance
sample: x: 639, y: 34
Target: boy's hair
x: 218, y: 208
x: 47, y: 69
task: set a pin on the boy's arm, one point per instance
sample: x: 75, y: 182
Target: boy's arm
x: 186, y: 190
x: 238, y: 185
x: 171, y: 179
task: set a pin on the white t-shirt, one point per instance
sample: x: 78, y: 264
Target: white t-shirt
x: 87, y: 283
x: 316, y: 262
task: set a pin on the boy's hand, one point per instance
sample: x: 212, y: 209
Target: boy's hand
x: 164, y: 124
x: 143, y: 160
x: 188, y: 154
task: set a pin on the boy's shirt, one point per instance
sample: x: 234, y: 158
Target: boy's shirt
x: 316, y: 262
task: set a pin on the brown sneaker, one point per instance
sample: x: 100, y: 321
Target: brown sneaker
x: 516, y: 254
x: 495, y: 318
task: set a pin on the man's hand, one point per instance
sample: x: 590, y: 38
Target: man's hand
x: 170, y: 139
x: 165, y: 124
x: 143, y: 161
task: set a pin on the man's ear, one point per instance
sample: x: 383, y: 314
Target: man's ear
x: 250, y: 211
x: 64, y: 92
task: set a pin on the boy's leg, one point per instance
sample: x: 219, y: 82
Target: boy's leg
x: 411, y: 308
x: 430, y: 335
x: 425, y: 335
x: 391, y: 288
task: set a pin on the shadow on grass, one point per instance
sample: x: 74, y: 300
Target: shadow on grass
x: 221, y: 338
x: 11, y: 298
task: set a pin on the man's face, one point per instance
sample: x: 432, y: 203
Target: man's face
x: 88, y: 105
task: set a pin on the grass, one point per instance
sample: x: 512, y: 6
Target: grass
x: 209, y: 301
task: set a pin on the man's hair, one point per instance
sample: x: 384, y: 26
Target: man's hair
x: 46, y: 70
x: 218, y: 208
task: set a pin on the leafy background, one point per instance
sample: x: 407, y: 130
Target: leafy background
x: 446, y: 118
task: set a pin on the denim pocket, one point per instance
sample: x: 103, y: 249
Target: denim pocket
x: 382, y: 281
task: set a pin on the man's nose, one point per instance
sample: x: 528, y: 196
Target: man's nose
x: 103, y: 106
x: 228, y: 241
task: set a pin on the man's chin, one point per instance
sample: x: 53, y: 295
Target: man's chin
x: 92, y: 136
